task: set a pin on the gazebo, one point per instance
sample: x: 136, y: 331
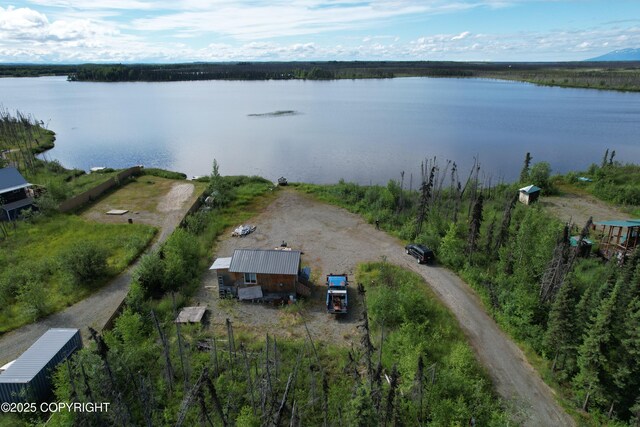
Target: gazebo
x: 619, y: 237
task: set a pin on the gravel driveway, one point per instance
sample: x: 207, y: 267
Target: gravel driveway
x: 335, y: 241
x: 97, y: 309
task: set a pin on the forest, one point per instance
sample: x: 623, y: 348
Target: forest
x: 578, y: 318
x: 624, y: 76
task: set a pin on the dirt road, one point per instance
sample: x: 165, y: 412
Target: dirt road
x: 335, y: 241
x: 96, y: 310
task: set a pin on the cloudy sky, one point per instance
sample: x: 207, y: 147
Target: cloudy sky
x: 72, y: 31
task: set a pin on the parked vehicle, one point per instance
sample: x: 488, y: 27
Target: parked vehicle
x: 337, y: 298
x: 422, y: 253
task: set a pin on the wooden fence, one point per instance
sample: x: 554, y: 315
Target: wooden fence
x: 82, y: 199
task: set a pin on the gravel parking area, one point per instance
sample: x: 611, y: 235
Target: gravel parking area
x: 335, y: 241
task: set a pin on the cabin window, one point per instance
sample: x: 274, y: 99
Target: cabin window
x: 250, y: 278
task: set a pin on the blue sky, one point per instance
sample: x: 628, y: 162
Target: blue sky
x: 71, y: 31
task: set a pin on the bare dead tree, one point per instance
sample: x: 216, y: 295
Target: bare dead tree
x: 392, y: 394
x: 231, y: 344
x: 216, y: 400
x: 188, y: 399
x: 561, y: 263
x: 184, y: 367
x: 267, y: 364
x: 165, y: 351
x: 204, y: 413
x: 503, y: 233
x: 418, y: 387
x: 474, y: 226
x: 249, y: 381
x: 365, y: 340
x: 214, y: 349
x: 145, y: 400
x: 555, y: 272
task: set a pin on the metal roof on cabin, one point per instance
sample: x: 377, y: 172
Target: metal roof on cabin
x: 221, y: 264
x: 620, y: 223
x: 530, y: 189
x: 10, y: 180
x: 31, y: 362
x: 265, y: 261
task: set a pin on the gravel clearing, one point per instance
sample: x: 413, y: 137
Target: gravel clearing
x: 177, y: 197
x: 578, y: 208
x: 335, y: 241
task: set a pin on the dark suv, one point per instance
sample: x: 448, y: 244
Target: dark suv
x: 422, y: 253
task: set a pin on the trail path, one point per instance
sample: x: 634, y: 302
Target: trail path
x: 335, y: 241
x: 97, y: 309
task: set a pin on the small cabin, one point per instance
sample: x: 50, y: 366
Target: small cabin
x: 260, y: 274
x: 619, y: 238
x: 529, y: 194
x: 14, y: 194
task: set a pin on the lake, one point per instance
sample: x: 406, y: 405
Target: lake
x: 366, y: 131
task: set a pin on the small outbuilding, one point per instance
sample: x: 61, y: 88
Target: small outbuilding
x: 14, y: 194
x: 583, y: 246
x: 28, y: 378
x: 529, y: 194
x: 260, y: 274
x: 225, y: 282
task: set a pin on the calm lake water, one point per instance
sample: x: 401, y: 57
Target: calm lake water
x: 366, y: 131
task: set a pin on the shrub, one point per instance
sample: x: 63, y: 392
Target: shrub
x: 32, y: 296
x: 197, y: 222
x: 182, y: 254
x: 164, y: 173
x: 149, y: 274
x: 84, y: 262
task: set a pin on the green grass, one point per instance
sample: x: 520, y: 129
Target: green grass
x: 142, y: 193
x: 615, y: 183
x: 416, y: 324
x: 250, y: 199
x: 31, y: 255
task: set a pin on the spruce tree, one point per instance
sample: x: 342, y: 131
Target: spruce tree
x: 524, y: 173
x: 593, y: 380
x: 626, y: 375
x: 561, y: 337
x: 605, y: 159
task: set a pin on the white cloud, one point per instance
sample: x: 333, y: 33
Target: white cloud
x: 105, y: 30
x: 461, y: 36
x: 24, y: 25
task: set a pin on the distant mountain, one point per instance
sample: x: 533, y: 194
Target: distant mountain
x: 619, y: 55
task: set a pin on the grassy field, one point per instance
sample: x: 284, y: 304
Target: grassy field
x: 33, y: 280
x: 140, y: 194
